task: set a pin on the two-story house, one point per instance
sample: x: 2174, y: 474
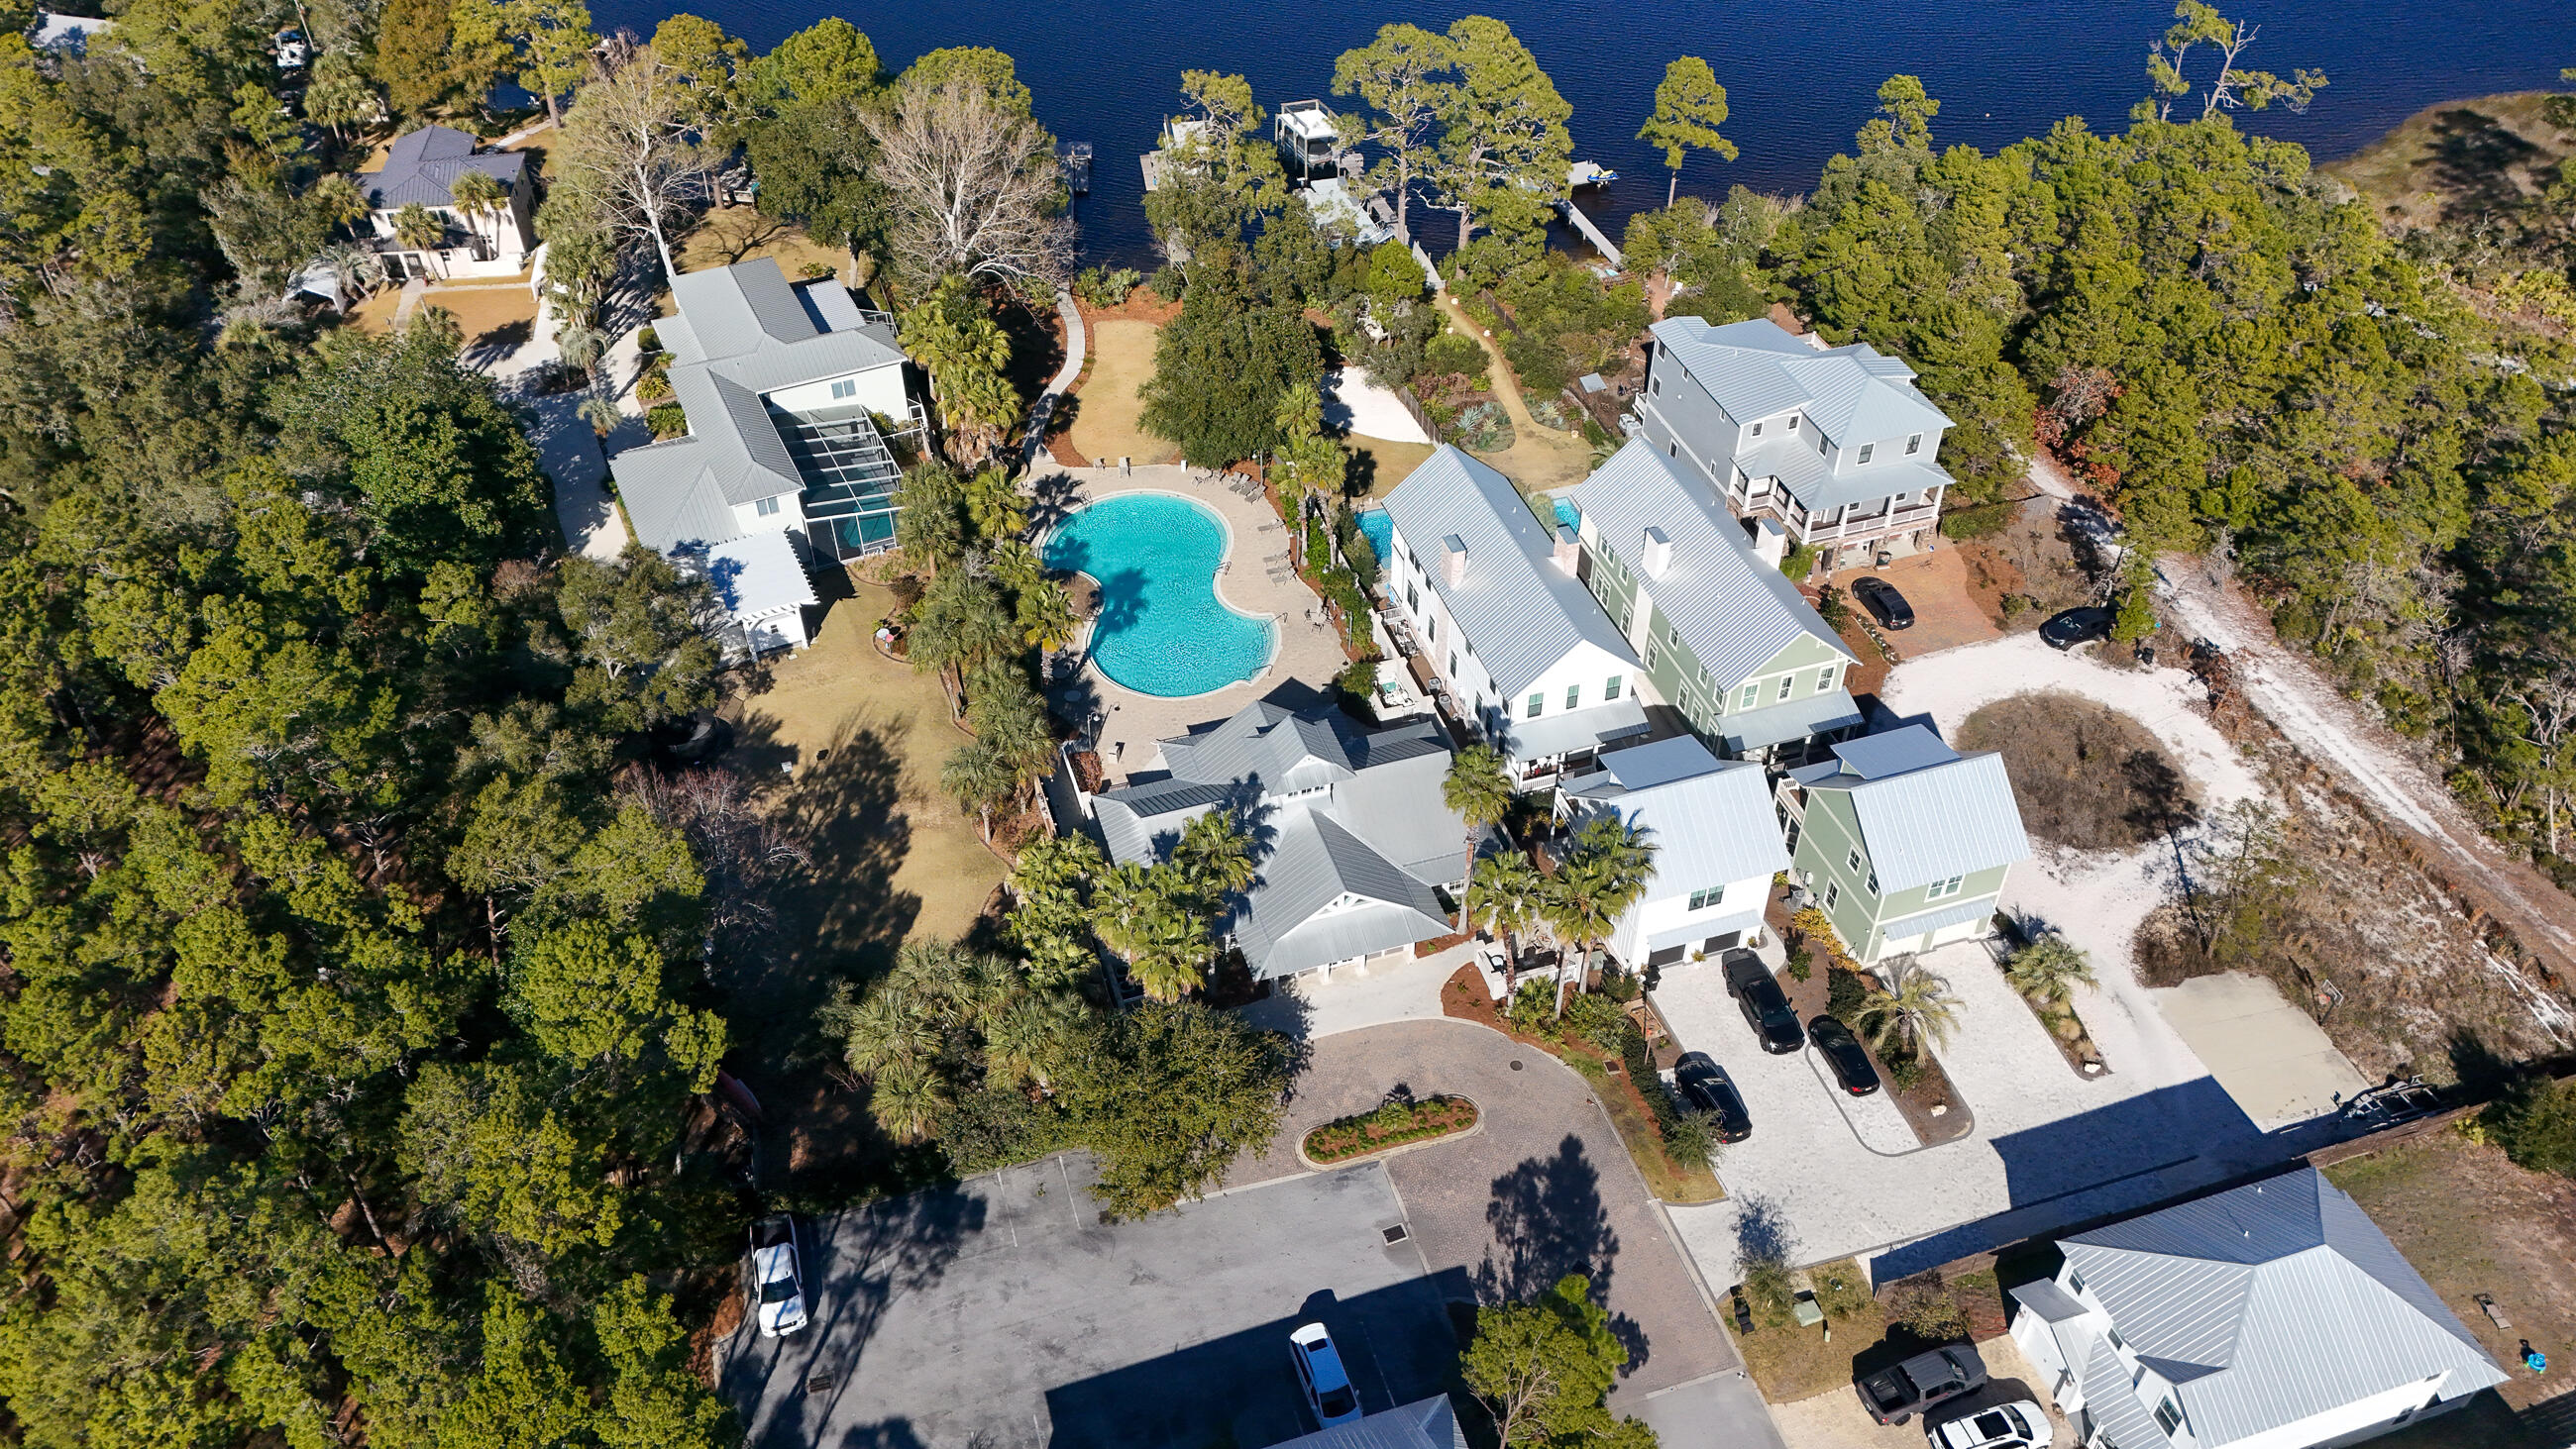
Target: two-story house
x: 1716, y: 846
x: 1493, y: 603
x: 1835, y: 443
x: 1902, y: 841
x: 421, y: 169
x: 782, y: 384
x: 1720, y: 635
x: 2272, y: 1316
x: 1352, y: 837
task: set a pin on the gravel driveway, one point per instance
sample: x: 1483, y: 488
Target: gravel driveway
x: 1541, y: 1189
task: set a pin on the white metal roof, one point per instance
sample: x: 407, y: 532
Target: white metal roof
x: 1926, y: 813
x: 1709, y: 820
x: 1522, y: 613
x: 1756, y: 370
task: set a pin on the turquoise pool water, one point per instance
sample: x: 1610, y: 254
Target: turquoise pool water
x: 1380, y: 527
x: 1162, y: 630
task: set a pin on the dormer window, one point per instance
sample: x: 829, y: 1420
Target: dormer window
x: 1866, y: 449
x: 1793, y: 422
x: 1757, y: 430
x: 2168, y: 1415
x: 1914, y: 445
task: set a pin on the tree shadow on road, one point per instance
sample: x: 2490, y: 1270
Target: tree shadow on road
x: 1548, y: 1221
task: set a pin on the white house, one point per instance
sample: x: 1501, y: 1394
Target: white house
x: 2271, y: 1316
x: 421, y: 170
x: 1716, y: 846
x: 1497, y: 608
x: 782, y: 384
x: 1833, y: 443
x: 1352, y: 839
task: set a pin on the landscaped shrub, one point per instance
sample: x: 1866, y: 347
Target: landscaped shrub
x: 648, y: 340
x: 1597, y: 1019
x: 1450, y: 352
x: 1692, y: 1142
x: 1102, y: 287
x: 1359, y: 555
x: 1801, y: 965
x: 1799, y: 562
x: 1391, y: 1125
x: 1905, y: 1070
x: 1845, y: 992
x: 2536, y: 1126
x: 1770, y: 1292
x: 669, y: 420
x: 1358, y: 679
x: 1834, y: 607
x: 1925, y: 1305
x: 1533, y: 1007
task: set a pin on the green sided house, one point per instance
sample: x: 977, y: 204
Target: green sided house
x: 1902, y: 841
x: 1720, y: 635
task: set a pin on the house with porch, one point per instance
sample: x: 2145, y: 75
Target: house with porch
x: 1903, y: 842
x: 421, y: 169
x: 1352, y: 840
x: 1716, y: 846
x: 785, y: 462
x: 2271, y: 1316
x: 1492, y: 602
x: 1834, y: 444
x: 1720, y: 635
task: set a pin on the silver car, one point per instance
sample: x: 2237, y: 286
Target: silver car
x: 777, y: 1284
x: 2023, y: 1425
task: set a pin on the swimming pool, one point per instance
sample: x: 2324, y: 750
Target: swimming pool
x: 1380, y: 526
x: 1161, y: 629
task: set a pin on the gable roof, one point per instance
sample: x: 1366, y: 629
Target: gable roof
x: 422, y: 165
x: 1926, y: 812
x: 1523, y: 613
x: 2269, y: 1303
x: 1756, y: 369
x: 1709, y: 819
x: 1423, y: 1424
x: 1350, y: 830
x: 1735, y: 611
x: 742, y: 332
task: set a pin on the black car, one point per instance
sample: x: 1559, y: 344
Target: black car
x: 1899, y: 1392
x: 1766, y: 1006
x: 1704, y: 1087
x: 1842, y: 1052
x: 1883, y: 602
x: 2076, y: 626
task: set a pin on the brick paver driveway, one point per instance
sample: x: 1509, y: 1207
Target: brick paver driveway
x: 1541, y: 1190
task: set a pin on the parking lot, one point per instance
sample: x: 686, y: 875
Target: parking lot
x: 1006, y: 1313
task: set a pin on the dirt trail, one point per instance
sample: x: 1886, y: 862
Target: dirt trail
x: 2361, y: 753
x: 1540, y: 457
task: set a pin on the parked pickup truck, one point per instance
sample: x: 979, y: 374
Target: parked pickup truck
x: 1766, y: 1006
x: 1900, y: 1391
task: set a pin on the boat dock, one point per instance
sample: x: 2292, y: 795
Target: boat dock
x: 1584, y: 225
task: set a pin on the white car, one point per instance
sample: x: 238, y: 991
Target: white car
x: 778, y: 1289
x: 1319, y: 1371
x: 2012, y: 1426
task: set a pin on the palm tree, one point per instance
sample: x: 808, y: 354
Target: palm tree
x: 1503, y: 895
x: 982, y: 778
x: 1046, y: 616
x: 1135, y: 912
x: 600, y: 411
x: 906, y: 1101
x: 355, y: 271
x: 1478, y: 790
x: 1918, y: 1006
x: 417, y: 228
x: 1214, y: 858
x: 1602, y: 877
x: 1028, y: 1039
x: 580, y: 344
x: 2044, y: 969
x: 959, y: 624
x: 477, y: 196
x: 965, y: 351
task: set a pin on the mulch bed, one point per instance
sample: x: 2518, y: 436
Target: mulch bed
x: 1358, y: 1136
x: 1808, y: 997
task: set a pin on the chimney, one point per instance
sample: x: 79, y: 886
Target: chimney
x: 1569, y: 551
x: 1658, y: 555
x: 1770, y: 542
x: 1454, y: 559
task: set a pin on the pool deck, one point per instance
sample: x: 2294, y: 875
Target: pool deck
x: 1254, y: 578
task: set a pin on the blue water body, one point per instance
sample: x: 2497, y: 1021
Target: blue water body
x: 1161, y: 630
x: 1567, y: 514
x: 1800, y: 78
x: 1379, y: 525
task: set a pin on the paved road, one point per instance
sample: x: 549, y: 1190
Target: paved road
x: 1543, y: 1188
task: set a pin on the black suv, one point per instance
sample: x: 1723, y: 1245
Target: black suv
x: 1704, y: 1088
x: 1881, y: 599
x: 1842, y: 1052
x: 1766, y: 1006
x: 2076, y: 626
x: 1899, y: 1392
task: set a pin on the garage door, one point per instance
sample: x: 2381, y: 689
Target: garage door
x: 1963, y: 931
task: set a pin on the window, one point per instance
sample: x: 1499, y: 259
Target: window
x: 1852, y: 858
x: 1573, y: 695
x: 1751, y: 697
x: 1412, y: 599
x: 1431, y: 635
x: 846, y: 387
x: 1898, y: 499
x: 1824, y: 679
x: 1703, y: 899
x: 1866, y: 449
x: 2168, y: 1415
x: 1537, y: 705
x: 1943, y: 888
x: 1610, y: 687
x: 1675, y: 449
x: 1656, y: 387
x: 1650, y: 652
x: 1667, y: 956
x: 1788, y: 685
x: 1793, y: 422
x: 1757, y: 430
x: 2074, y: 1281
x: 765, y: 507
x: 1453, y: 664
x: 1833, y: 892
x: 1914, y: 445
x: 2117, y: 1341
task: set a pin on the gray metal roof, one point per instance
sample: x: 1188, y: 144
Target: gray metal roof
x: 743, y: 332
x: 2052, y: 1303
x: 422, y: 165
x: 1755, y: 369
x: 2111, y: 1397
x: 1423, y: 1424
x: 1955, y: 914
x: 1351, y: 833
x: 1799, y: 719
x: 1736, y: 612
x: 1709, y: 825
x: 1565, y: 732
x: 1926, y: 813
x: 1522, y: 612
x: 758, y: 575
x: 2270, y: 1303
